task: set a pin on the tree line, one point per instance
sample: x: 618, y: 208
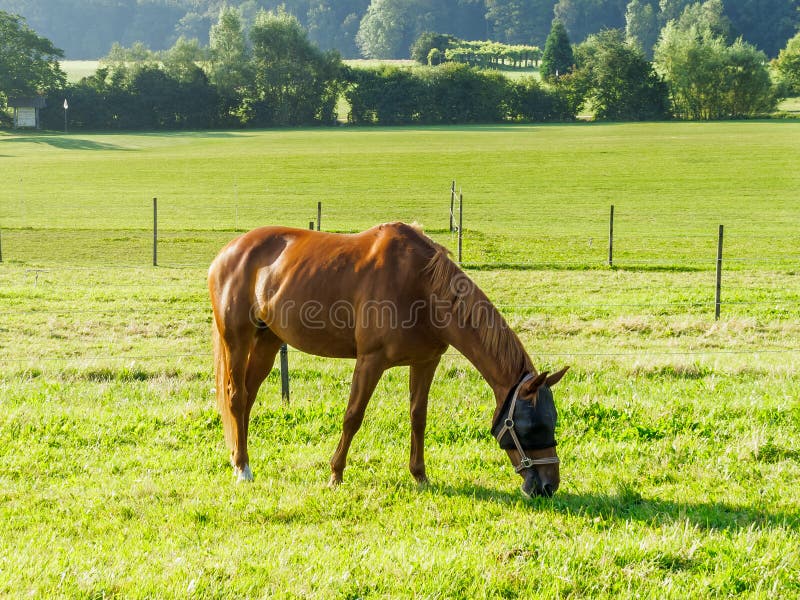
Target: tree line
x: 387, y: 28
x: 269, y: 73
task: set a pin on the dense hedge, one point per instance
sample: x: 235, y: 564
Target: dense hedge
x: 450, y: 94
x: 150, y: 98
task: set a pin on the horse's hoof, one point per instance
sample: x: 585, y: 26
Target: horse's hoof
x: 243, y: 475
x: 334, y: 482
x: 423, y: 482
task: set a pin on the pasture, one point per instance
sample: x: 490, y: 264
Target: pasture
x: 678, y: 434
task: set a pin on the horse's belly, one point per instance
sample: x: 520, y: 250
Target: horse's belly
x: 319, y: 343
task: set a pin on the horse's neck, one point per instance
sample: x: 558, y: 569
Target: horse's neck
x: 490, y: 358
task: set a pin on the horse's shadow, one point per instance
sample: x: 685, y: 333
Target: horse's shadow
x: 627, y: 505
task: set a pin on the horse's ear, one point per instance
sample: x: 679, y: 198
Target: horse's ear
x: 530, y: 387
x: 555, y: 377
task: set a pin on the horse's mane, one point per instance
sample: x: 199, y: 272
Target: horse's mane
x: 472, y: 308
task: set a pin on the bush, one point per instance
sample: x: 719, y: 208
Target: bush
x: 460, y: 94
x: 529, y: 101
x: 387, y: 95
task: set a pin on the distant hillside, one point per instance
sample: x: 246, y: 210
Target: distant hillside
x: 86, y: 29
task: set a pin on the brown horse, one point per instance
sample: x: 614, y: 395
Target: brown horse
x: 388, y: 296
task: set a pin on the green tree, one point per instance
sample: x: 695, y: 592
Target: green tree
x: 584, y: 17
x: 294, y: 82
x: 641, y: 25
x: 120, y: 58
x: 709, y: 79
x: 228, y: 51
x: 183, y: 60
x: 766, y: 23
x: 621, y: 82
x: 428, y: 41
x: 28, y: 62
x: 748, y: 86
x: 389, y: 27
x: 558, y: 58
x: 333, y: 24
x: 787, y: 66
x: 520, y: 21
x: 672, y: 9
x: 707, y: 17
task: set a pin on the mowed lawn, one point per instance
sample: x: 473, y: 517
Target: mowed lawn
x: 679, y: 434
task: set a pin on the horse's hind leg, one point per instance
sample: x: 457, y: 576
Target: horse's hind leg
x: 234, y: 411
x: 251, y: 359
x: 259, y: 364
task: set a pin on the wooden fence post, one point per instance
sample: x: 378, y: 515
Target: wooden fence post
x: 611, y: 238
x: 460, y: 224
x: 285, y: 373
x: 155, y: 232
x: 311, y: 225
x: 319, y: 215
x: 717, y: 299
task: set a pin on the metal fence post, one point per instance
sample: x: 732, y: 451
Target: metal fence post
x: 452, y: 203
x: 611, y: 238
x: 155, y: 232
x: 717, y: 299
x: 285, y: 373
x: 460, y: 224
x: 319, y: 215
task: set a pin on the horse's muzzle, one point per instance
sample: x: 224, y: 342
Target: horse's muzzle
x: 534, y: 486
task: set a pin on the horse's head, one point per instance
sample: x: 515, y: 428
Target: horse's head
x: 525, y: 428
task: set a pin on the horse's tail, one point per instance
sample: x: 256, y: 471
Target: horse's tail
x: 221, y: 374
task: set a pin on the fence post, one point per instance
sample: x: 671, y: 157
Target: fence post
x: 285, y: 373
x: 460, y: 224
x: 452, y: 203
x: 155, y: 232
x: 1, y: 246
x: 319, y: 215
x: 611, y: 238
x: 311, y: 225
x: 717, y: 299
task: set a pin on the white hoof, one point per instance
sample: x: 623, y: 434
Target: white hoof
x: 243, y: 474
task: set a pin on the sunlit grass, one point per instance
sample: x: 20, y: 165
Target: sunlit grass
x: 678, y: 433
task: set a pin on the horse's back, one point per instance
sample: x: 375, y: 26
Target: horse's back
x: 313, y: 289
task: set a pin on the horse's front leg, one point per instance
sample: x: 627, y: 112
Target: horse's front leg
x: 368, y: 371
x: 420, y: 379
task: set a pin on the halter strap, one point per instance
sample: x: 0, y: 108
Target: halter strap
x: 508, y: 426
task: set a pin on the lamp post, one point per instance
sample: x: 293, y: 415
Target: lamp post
x: 66, y: 108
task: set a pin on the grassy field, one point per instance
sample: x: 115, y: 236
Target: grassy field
x: 679, y: 434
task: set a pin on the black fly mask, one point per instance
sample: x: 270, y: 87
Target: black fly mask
x: 522, y: 425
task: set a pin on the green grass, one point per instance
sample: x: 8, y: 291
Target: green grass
x: 678, y: 434
x: 78, y: 69
x: 790, y: 105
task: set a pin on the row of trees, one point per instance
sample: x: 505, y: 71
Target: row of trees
x: 386, y: 28
x: 270, y: 74
x: 434, y: 49
x: 697, y: 71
